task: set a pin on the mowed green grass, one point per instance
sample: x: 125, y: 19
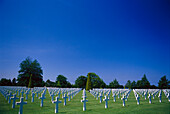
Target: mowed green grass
x: 93, y: 106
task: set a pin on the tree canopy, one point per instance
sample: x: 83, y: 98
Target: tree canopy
x: 128, y: 84
x: 81, y: 82
x: 30, y: 68
x: 61, y: 81
x: 114, y: 84
x: 5, y: 82
x: 96, y: 81
x: 163, y: 83
x: 89, y: 83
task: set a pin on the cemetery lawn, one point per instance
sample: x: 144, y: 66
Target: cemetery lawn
x: 93, y: 106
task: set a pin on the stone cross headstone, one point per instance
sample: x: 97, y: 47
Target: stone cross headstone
x: 84, y: 92
x: 52, y: 96
x: 22, y: 93
x: 100, y: 96
x: 65, y: 98
x: 69, y: 96
x: 145, y: 95
x: 57, y: 101
x: 123, y: 99
x: 37, y: 94
x: 21, y: 103
x: 84, y: 103
x: 160, y: 98
x: 32, y: 97
x: 14, y: 99
x: 138, y: 98
x: 150, y: 98
x: 9, y: 95
x: 153, y: 96
x: 106, y: 101
x: 168, y: 97
x: 114, y: 97
x: 26, y: 93
x: 118, y: 94
x: 97, y: 95
x: 42, y: 99
x: 59, y: 94
x: 19, y: 92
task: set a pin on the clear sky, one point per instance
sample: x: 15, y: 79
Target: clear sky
x: 122, y: 39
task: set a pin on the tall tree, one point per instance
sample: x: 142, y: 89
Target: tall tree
x: 163, y: 83
x: 139, y: 84
x: 88, y: 84
x: 114, y: 84
x: 28, y: 68
x: 96, y: 81
x: 62, y: 81
x: 14, y: 81
x: 81, y: 82
x: 145, y: 84
x: 49, y: 83
x: 133, y: 85
x: 128, y: 84
x: 30, y: 85
x: 5, y: 82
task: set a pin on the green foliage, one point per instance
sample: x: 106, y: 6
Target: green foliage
x: 5, y: 82
x: 14, y: 82
x: 50, y: 84
x: 30, y: 85
x: 28, y: 67
x: 96, y: 81
x: 81, y: 82
x: 144, y: 83
x: 88, y: 84
x: 153, y: 87
x: 163, y: 83
x: 114, y: 84
x: 128, y: 84
x: 61, y: 81
x: 133, y: 85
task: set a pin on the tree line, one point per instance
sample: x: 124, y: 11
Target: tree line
x: 30, y: 75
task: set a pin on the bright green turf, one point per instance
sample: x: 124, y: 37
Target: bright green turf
x: 93, y: 106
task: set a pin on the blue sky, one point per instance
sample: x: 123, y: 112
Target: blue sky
x: 122, y: 39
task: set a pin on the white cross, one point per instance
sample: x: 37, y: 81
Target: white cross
x: 21, y: 103
x: 84, y: 103
x: 65, y: 98
x: 106, y: 101
x: 56, y: 104
x: 123, y: 98
x: 14, y: 99
x: 42, y: 98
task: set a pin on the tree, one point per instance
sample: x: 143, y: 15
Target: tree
x: 30, y: 85
x: 163, y: 83
x: 133, y: 85
x: 81, y: 82
x: 145, y: 83
x: 14, y: 81
x: 88, y: 84
x: 96, y: 81
x: 50, y: 84
x: 114, y: 84
x: 5, y: 82
x: 62, y: 80
x: 153, y: 87
x: 128, y: 84
x: 28, y: 68
x: 139, y: 84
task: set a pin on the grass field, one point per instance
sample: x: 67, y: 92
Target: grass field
x: 93, y: 106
